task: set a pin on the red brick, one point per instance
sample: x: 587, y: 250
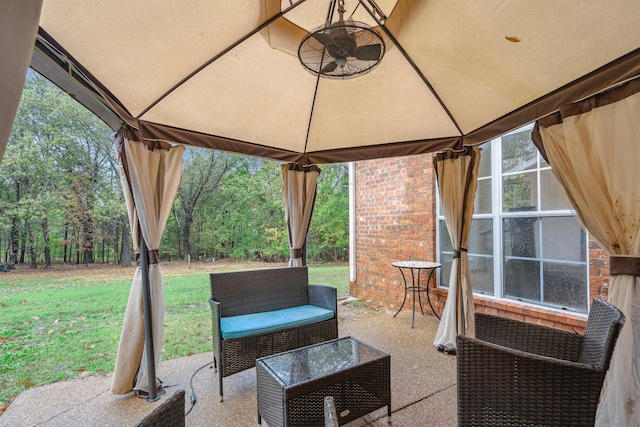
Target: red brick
x: 396, y: 202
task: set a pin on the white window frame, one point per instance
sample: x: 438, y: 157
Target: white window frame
x: 498, y: 217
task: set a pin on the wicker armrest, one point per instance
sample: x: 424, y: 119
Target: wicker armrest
x: 169, y: 413
x: 215, y: 323
x: 323, y: 296
x: 502, y: 386
x: 528, y: 337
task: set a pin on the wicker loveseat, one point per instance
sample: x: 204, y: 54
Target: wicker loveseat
x: 520, y: 374
x: 258, y: 313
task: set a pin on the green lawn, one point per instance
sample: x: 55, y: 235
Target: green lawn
x: 63, y: 326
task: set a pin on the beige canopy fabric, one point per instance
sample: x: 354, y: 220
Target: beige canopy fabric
x: 299, y: 195
x: 150, y: 175
x: 457, y: 175
x: 18, y: 29
x: 593, y: 148
x: 225, y: 74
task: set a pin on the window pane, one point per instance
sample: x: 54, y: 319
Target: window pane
x: 518, y: 152
x: 519, y: 192
x: 565, y: 285
x: 563, y: 239
x: 446, y: 254
x: 552, y: 195
x: 521, y: 237
x: 484, y: 169
x: 481, y: 270
x: 445, y: 240
x: 522, y: 279
x: 483, y: 201
x: 543, y: 162
x: 481, y: 267
x: 481, y: 237
x: 446, y: 259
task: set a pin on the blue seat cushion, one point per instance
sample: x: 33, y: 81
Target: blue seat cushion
x: 271, y: 321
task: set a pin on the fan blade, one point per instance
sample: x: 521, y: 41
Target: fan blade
x: 323, y: 38
x: 331, y: 66
x: 368, y: 53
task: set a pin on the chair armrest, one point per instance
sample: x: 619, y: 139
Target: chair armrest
x: 215, y: 324
x: 529, y: 388
x: 168, y: 413
x: 528, y: 337
x: 323, y: 296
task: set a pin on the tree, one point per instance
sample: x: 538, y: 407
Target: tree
x: 56, y: 148
x: 328, y: 237
x: 202, y: 174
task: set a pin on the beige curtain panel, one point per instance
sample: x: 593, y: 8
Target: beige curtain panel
x: 299, y: 195
x: 150, y: 175
x: 457, y: 175
x: 18, y: 28
x: 593, y: 148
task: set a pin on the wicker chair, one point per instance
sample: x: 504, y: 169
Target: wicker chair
x: 169, y: 413
x: 330, y: 416
x: 520, y: 374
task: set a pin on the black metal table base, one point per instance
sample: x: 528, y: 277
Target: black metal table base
x: 415, y: 287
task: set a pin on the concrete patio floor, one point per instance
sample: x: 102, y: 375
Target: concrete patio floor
x: 423, y: 384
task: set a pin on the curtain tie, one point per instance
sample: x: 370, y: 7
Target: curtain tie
x: 295, y: 253
x: 154, y: 257
x: 456, y: 253
x: 629, y: 265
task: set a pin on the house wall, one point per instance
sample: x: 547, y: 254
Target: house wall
x: 396, y: 221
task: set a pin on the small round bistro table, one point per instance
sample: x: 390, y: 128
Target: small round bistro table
x: 416, y: 268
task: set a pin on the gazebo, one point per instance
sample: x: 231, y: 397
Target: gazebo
x: 318, y: 81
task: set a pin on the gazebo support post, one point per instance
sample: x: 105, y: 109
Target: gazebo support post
x: 148, y: 330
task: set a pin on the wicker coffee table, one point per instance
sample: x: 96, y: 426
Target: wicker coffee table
x: 291, y: 386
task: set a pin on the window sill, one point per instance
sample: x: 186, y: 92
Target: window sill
x: 546, y: 316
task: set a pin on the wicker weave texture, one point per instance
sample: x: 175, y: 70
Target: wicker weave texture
x: 244, y: 292
x: 255, y: 291
x: 356, y: 390
x: 528, y: 337
x: 169, y: 413
x: 603, y: 326
x: 502, y: 386
x: 239, y: 354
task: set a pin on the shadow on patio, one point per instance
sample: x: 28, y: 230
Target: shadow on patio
x: 423, y: 391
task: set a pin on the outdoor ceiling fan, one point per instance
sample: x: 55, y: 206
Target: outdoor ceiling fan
x: 342, y: 50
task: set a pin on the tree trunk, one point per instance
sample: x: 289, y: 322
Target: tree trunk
x: 178, y: 234
x: 47, y: 245
x: 87, y: 241
x: 77, y: 252
x: 88, y: 231
x: 14, y: 245
x: 23, y: 246
x: 125, y: 251
x: 32, y: 247
x: 116, y: 246
x: 66, y: 236
x: 186, y: 234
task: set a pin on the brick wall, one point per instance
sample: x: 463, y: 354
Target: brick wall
x: 395, y: 221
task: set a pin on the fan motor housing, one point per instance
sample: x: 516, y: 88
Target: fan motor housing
x: 345, y: 49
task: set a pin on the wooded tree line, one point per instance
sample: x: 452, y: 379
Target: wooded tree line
x: 61, y: 199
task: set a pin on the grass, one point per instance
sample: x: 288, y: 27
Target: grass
x: 65, y: 323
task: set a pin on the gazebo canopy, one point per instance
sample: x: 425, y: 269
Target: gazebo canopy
x: 225, y: 74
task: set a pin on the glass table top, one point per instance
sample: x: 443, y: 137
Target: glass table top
x: 320, y: 360
x: 416, y: 264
